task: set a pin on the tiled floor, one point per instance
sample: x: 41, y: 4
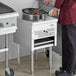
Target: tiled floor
x: 41, y: 66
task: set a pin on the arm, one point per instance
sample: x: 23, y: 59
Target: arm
x: 55, y: 10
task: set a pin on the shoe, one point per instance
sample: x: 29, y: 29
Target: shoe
x: 74, y: 72
x: 62, y: 73
x: 61, y: 68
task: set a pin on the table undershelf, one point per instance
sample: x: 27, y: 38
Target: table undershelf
x: 3, y: 50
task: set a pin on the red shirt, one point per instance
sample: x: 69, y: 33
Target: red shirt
x: 67, y: 14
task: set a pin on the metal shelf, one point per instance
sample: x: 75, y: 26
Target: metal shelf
x: 3, y: 50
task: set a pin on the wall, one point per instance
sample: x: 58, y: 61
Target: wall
x: 17, y: 5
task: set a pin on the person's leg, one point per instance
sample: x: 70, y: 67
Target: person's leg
x: 69, y: 48
x: 68, y: 51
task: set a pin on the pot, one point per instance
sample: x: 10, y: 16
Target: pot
x: 27, y: 14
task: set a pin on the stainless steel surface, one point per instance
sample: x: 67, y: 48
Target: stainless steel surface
x: 7, y: 26
x: 6, y: 52
x: 31, y: 17
x: 50, y: 58
x: 32, y: 31
x: 5, y: 9
x: 32, y: 61
x: 27, y: 14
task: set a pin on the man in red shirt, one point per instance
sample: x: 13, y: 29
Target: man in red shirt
x: 67, y: 18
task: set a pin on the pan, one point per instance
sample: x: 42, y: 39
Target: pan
x: 33, y: 14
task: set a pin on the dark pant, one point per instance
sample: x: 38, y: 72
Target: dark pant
x: 69, y: 47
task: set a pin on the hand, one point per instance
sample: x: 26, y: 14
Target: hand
x: 54, y: 12
x: 47, y: 2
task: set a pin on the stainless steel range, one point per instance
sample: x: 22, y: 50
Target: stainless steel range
x: 8, y: 25
x: 34, y: 35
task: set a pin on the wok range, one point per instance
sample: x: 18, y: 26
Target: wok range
x: 33, y: 14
